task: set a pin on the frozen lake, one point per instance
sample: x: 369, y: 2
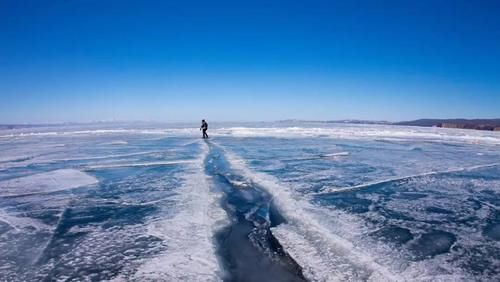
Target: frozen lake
x: 256, y: 202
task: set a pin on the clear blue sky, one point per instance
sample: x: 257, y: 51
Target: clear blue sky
x: 248, y: 60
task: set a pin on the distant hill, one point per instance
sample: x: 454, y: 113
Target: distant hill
x: 359, y: 121
x: 479, y: 124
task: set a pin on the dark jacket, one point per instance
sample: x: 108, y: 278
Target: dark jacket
x: 204, y: 125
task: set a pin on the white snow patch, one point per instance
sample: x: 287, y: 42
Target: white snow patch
x: 333, y: 155
x: 159, y: 163
x: 46, y: 182
x: 18, y: 222
x: 117, y: 142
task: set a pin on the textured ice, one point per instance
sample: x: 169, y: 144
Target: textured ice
x: 188, y: 235
x: 281, y: 130
x: 323, y: 255
x: 359, y: 202
x: 116, y: 228
x: 371, y: 132
x: 329, y: 190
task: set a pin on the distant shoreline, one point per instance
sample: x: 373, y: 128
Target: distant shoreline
x: 478, y: 124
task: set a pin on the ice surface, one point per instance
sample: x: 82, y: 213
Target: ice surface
x: 359, y: 202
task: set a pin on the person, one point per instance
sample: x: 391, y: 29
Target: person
x: 204, y: 127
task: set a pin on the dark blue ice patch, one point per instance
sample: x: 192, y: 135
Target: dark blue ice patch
x: 393, y: 234
x: 489, y: 196
x: 438, y: 210
x: 392, y: 214
x: 433, y: 243
x: 112, y: 215
x: 478, y: 260
x: 116, y: 174
x: 410, y: 195
x: 346, y: 201
x: 492, y: 229
x: 474, y: 203
x: 4, y: 227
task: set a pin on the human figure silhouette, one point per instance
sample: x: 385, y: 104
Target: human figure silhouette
x: 204, y: 128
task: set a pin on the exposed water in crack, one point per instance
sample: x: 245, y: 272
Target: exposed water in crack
x: 247, y: 248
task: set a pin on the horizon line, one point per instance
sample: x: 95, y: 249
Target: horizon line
x: 347, y: 120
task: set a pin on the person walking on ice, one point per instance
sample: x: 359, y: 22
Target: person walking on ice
x: 204, y: 127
